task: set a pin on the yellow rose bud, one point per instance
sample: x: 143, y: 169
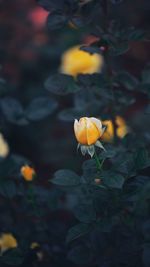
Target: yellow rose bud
x: 121, y: 131
x: 28, y: 173
x: 87, y: 132
x: 4, y: 148
x: 7, y: 241
x: 76, y: 61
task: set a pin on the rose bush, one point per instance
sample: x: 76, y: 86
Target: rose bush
x: 74, y: 72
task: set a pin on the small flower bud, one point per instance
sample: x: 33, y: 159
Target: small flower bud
x: 28, y: 173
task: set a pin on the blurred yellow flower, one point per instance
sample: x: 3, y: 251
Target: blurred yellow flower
x: 121, y: 131
x: 7, y: 241
x: 75, y: 61
x: 4, y: 148
x: 28, y: 173
x: 122, y: 128
x: 34, y: 245
x: 87, y: 132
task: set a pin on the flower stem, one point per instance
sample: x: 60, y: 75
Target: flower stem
x: 102, y: 162
x: 32, y: 199
x: 98, y: 163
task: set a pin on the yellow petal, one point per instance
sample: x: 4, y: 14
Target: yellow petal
x: 80, y: 131
x: 93, y: 133
x: 98, y: 124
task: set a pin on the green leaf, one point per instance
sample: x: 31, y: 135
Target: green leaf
x: 3, y: 85
x: 66, y: 178
x: 136, y: 35
x: 13, y: 257
x: 112, y: 179
x: 91, y: 49
x: 106, y: 224
x: 71, y: 113
x: 146, y: 76
x: 124, y: 164
x: 115, y: 2
x: 124, y: 100
x: 8, y: 189
x: 13, y: 111
x: 56, y: 21
x: 61, y: 84
x: 8, y: 167
x: 109, y: 153
x: 141, y: 206
x: 119, y: 49
x: 78, y: 231
x: 142, y: 159
x: 40, y: 107
x: 127, y: 80
x: 85, y: 213
x: 80, y: 254
x: 89, y: 170
x: 90, y: 80
x: 147, y: 110
x: 146, y: 253
x: 89, y: 109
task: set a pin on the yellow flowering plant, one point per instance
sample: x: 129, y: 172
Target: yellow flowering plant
x: 93, y: 98
x: 88, y: 131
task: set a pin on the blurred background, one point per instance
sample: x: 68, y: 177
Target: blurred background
x: 29, y: 54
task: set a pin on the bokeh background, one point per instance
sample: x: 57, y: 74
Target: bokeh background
x: 29, y: 53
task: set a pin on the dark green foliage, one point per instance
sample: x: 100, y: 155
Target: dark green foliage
x: 112, y: 179
x: 13, y: 111
x: 127, y: 80
x: 56, y: 21
x: 66, y: 178
x: 85, y: 213
x: 77, y: 231
x: 81, y: 211
x: 80, y: 254
x: 38, y: 109
x: 13, y: 257
x: 61, y: 84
